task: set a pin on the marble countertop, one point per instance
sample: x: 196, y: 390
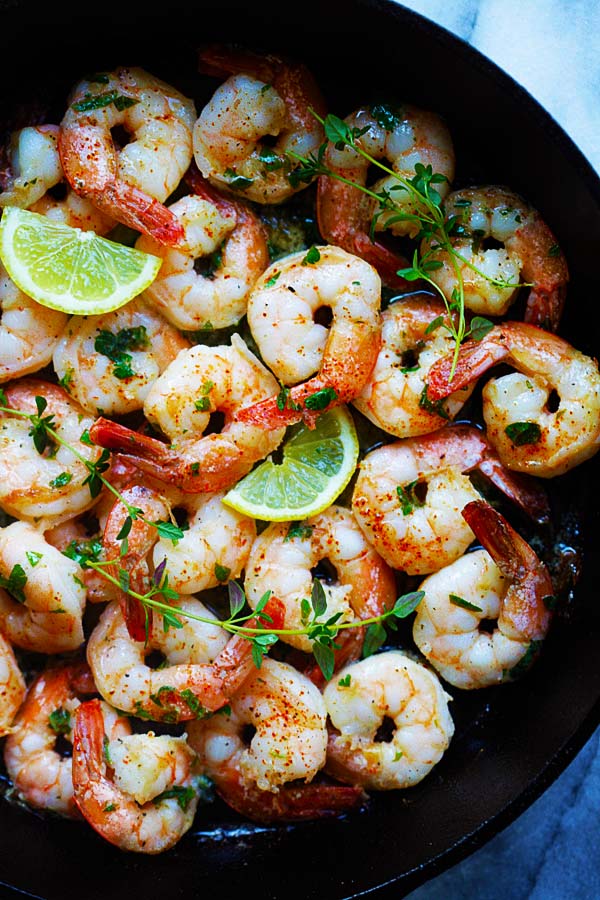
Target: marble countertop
x: 552, y: 48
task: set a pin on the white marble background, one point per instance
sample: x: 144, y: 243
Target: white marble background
x: 552, y: 48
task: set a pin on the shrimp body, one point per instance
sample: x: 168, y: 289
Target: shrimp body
x: 289, y: 744
x: 198, y: 382
x: 130, y: 184
x: 110, y: 362
x: 421, y: 534
x: 505, y: 582
x: 128, y: 810
x: 405, y: 138
x: 548, y: 439
x: 281, y: 315
x: 230, y: 236
x: 393, y: 396
x: 530, y: 250
x: 12, y: 686
x: 48, y: 485
x: 264, y: 95
x: 40, y: 775
x: 282, y: 563
x: 44, y: 611
x: 388, y: 685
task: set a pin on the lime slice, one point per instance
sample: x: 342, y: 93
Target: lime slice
x: 69, y: 269
x: 316, y: 467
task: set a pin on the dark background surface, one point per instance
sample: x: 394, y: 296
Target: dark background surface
x: 510, y: 742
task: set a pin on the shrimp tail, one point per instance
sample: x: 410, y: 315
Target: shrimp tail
x: 526, y: 493
x: 545, y: 307
x: 141, y: 212
x: 92, y: 793
x: 146, y: 453
x: 235, y: 661
x: 474, y: 359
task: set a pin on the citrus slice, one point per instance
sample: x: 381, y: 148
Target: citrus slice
x: 316, y: 467
x: 69, y: 269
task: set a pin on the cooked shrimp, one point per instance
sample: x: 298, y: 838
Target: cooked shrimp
x: 384, y: 687
x: 29, y: 332
x: 265, y: 95
x: 530, y: 250
x: 418, y: 533
x: 281, y: 314
x: 230, y: 238
x: 289, y: 744
x: 282, y: 562
x: 202, y: 670
x: 393, y: 396
x: 507, y: 583
x: 151, y: 799
x: 12, y: 686
x: 405, y: 138
x: 73, y: 537
x: 108, y: 363
x: 48, y: 485
x: 544, y: 418
x: 42, y: 776
x: 198, y: 382
x: 42, y: 596
x: 132, y: 183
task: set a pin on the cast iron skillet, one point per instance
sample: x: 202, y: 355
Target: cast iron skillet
x: 510, y: 742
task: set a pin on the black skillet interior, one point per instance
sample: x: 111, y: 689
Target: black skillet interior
x: 510, y: 742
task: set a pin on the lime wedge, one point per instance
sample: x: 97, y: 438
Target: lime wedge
x: 316, y: 467
x: 69, y: 269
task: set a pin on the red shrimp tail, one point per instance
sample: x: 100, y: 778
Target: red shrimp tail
x: 545, y: 307
x: 146, y: 453
x: 524, y: 491
x: 88, y: 747
x: 387, y: 262
x: 235, y: 663
x: 136, y: 209
x: 138, y: 618
x: 289, y: 408
x: 474, y: 359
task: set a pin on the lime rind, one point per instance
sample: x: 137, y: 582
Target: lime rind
x: 316, y: 467
x: 65, y: 268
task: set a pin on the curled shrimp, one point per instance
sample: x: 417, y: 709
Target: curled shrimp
x: 108, y: 363
x: 225, y: 233
x: 198, y: 382
x: 41, y: 776
x: 48, y: 485
x: 386, y: 686
x: 409, y: 495
x: 202, y: 669
x: 405, y: 138
x: 130, y: 184
x: 12, y: 686
x: 43, y: 596
x: 282, y: 310
x: 264, y: 95
x: 282, y: 562
x: 256, y: 778
x: 543, y: 419
x: 150, y: 801
x: 506, y: 583
x: 529, y: 250
x: 393, y: 396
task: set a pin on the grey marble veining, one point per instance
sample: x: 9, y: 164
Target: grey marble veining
x: 552, y: 48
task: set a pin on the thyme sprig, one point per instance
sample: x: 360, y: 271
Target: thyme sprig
x: 429, y: 218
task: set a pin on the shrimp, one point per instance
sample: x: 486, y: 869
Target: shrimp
x: 530, y: 250
x: 42, y: 596
x: 73, y: 539
x: 281, y: 314
x: 37, y: 183
x: 282, y: 562
x: 108, y: 363
x: 201, y: 672
x: 264, y: 95
x: 388, y: 687
x: 543, y: 419
x: 406, y: 137
x: 420, y: 534
x: 130, y: 184
x: 42, y: 777
x: 230, y: 238
x: 198, y: 382
x: 12, y: 686
x: 150, y: 801
x: 290, y: 742
x: 505, y: 582
x: 47, y: 485
x: 393, y: 396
